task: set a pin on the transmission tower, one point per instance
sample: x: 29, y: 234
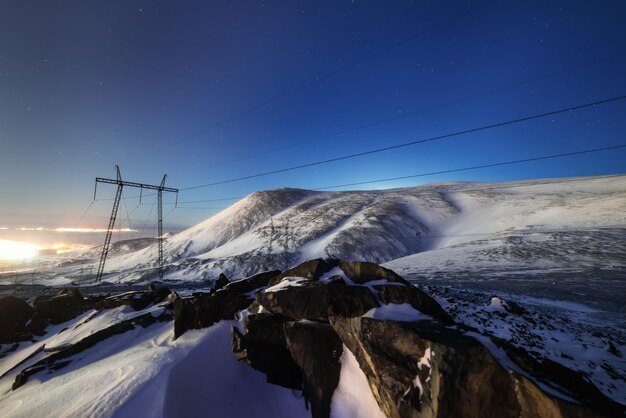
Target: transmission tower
x: 275, y: 234
x: 116, y: 203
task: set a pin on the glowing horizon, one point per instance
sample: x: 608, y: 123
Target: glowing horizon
x: 17, y: 250
x: 65, y: 229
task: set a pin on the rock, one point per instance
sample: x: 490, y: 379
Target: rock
x: 221, y: 281
x: 65, y: 305
x: 262, y: 345
x: 298, y: 302
x: 415, y: 297
x: 310, y: 270
x: 316, y: 349
x: 251, y: 283
x: 14, y: 315
x: 425, y: 369
x: 611, y: 348
x: 314, y: 300
x: 514, y: 308
x: 204, y: 310
x: 137, y: 300
x: 350, y: 301
x: 363, y: 272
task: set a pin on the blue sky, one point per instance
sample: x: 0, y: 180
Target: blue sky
x: 85, y: 86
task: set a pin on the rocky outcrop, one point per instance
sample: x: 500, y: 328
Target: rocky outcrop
x: 320, y: 366
x: 203, y: 310
x: 425, y: 369
x: 418, y: 363
x: 261, y: 343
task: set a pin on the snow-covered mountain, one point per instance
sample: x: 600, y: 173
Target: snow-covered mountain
x: 537, y: 224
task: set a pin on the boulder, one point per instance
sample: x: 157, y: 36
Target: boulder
x: 310, y: 270
x: 313, y: 300
x: 363, y: 272
x: 316, y: 349
x: 14, y: 316
x: 65, y: 305
x: 425, y: 369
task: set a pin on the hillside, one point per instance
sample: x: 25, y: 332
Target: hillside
x: 531, y: 225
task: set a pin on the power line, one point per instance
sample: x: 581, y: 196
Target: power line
x: 478, y: 189
x: 415, y: 142
x: 476, y: 167
x: 555, y: 181
x: 313, y: 82
x: 414, y: 112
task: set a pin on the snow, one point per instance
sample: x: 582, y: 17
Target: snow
x: 335, y: 271
x: 210, y: 379
x: 402, y: 312
x: 496, y: 305
x: 286, y: 283
x: 100, y: 381
x: 560, y: 245
x: 145, y: 373
x: 353, y: 397
x: 500, y: 355
x: 439, y: 227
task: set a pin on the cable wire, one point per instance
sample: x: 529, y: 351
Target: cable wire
x: 415, y: 142
x: 411, y: 113
x: 476, y: 167
x: 313, y: 82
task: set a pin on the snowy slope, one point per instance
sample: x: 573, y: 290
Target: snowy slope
x: 444, y: 226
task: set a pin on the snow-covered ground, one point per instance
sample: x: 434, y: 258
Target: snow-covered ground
x: 145, y: 373
x: 556, y: 247
x: 575, y: 224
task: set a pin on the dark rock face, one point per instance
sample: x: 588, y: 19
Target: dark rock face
x: 14, y: 315
x: 65, y: 305
x: 205, y: 310
x: 316, y: 299
x: 320, y: 366
x: 414, y: 297
x: 221, y: 281
x: 363, y: 272
x: 295, y: 330
x: 261, y: 343
x: 424, y: 369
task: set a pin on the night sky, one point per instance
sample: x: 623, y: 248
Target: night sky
x: 162, y: 87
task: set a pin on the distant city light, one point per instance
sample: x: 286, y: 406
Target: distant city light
x: 15, y: 250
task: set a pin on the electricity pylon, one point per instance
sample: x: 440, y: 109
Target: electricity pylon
x: 274, y: 235
x: 116, y: 203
